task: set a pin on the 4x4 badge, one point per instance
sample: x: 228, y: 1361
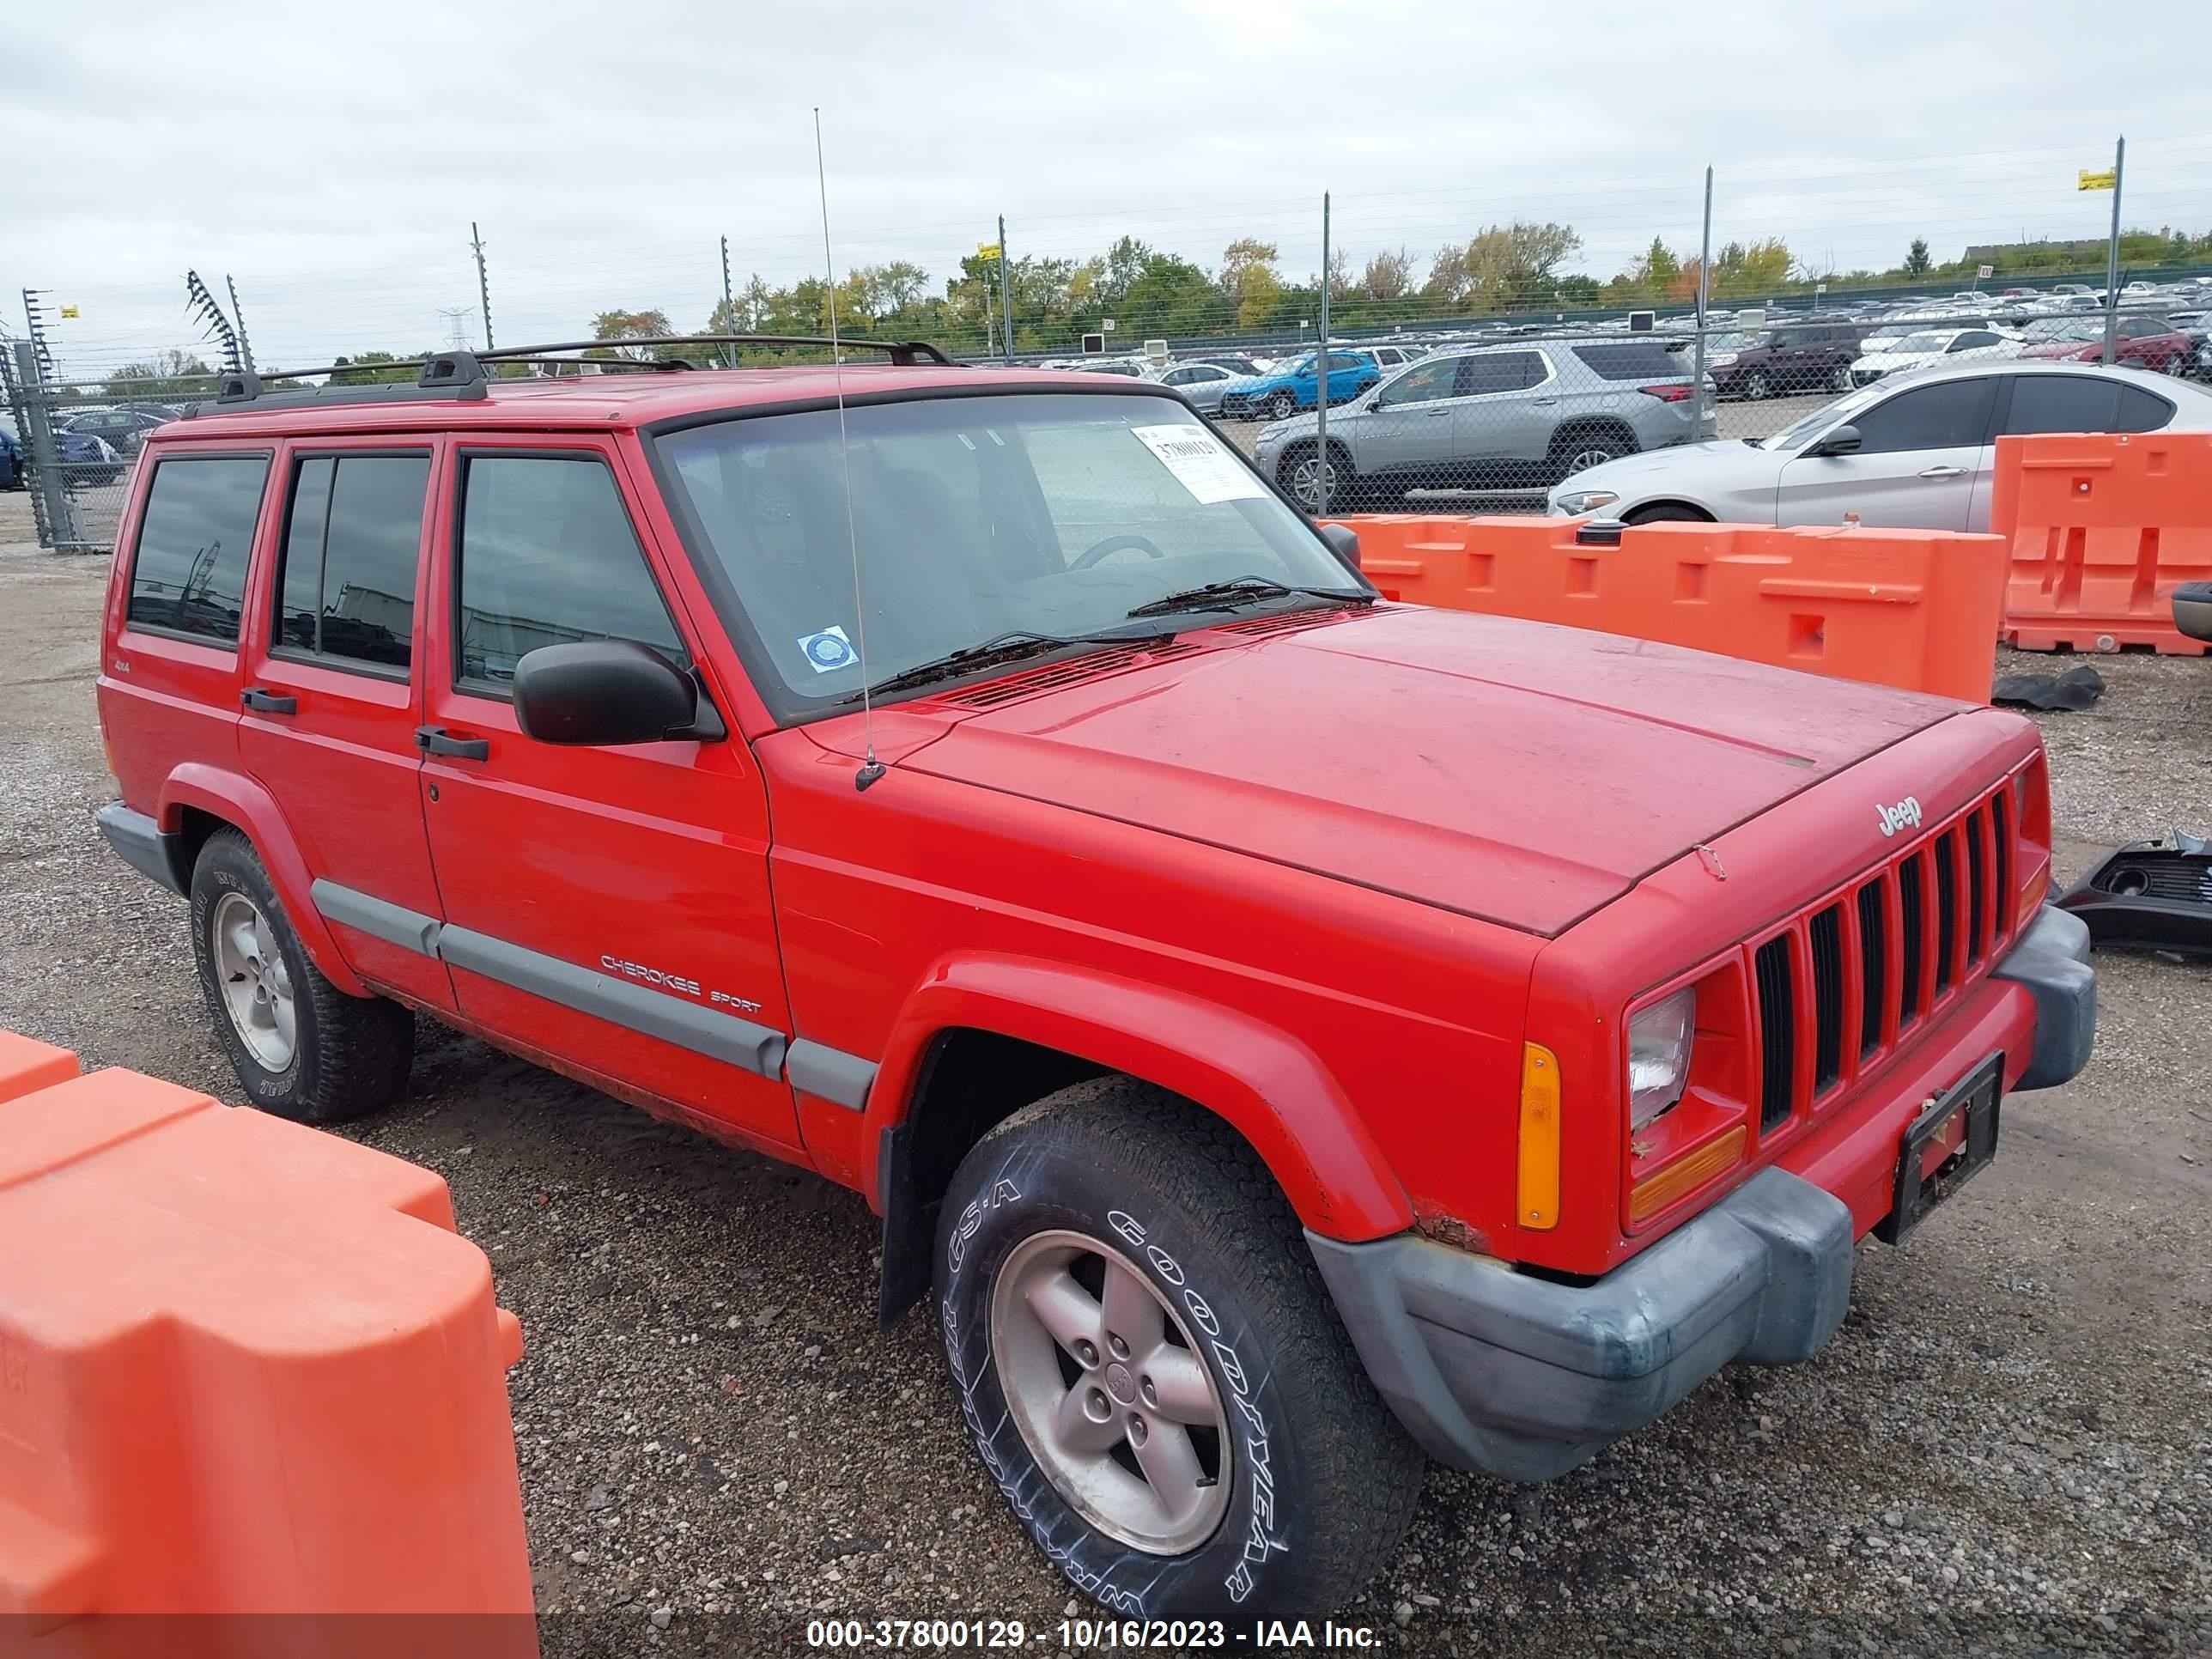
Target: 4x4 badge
x: 1906, y: 814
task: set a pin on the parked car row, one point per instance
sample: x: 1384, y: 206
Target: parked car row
x: 88, y: 461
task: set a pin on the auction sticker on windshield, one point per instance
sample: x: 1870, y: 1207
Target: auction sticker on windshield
x: 1202, y: 464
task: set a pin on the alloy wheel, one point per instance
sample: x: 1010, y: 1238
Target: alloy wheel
x: 1306, y: 477
x: 1110, y: 1394
x: 256, y: 985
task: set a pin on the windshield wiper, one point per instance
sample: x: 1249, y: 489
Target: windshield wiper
x: 1241, y: 589
x: 1010, y: 647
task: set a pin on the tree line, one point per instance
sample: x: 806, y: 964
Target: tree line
x: 1520, y: 267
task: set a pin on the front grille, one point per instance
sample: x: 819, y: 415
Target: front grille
x: 1826, y: 932
x: 1777, y: 1032
x: 1947, y: 908
x: 2159, y: 874
x: 1857, y: 983
x: 1977, y: 873
x: 2000, y: 821
x: 1874, y: 964
x: 1911, y: 889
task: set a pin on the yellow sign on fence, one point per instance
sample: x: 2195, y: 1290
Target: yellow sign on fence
x: 2104, y: 180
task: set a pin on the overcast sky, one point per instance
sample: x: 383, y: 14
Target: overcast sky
x: 331, y: 157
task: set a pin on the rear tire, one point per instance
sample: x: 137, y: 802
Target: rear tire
x: 1113, y: 1204
x: 1578, y: 452
x: 302, y: 1048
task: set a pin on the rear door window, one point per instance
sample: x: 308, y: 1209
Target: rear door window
x: 2062, y: 403
x: 352, y: 532
x: 1949, y: 415
x: 188, y: 572
x: 1504, y: 371
x: 1640, y: 361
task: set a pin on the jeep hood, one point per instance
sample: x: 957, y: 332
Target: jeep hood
x: 1510, y: 770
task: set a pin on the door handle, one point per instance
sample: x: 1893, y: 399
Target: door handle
x: 1544, y: 403
x: 1438, y: 414
x: 1944, y: 472
x: 268, y: 702
x: 435, y: 740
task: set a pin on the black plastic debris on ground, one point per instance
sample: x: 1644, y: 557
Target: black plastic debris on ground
x: 2150, y: 893
x: 2076, y: 689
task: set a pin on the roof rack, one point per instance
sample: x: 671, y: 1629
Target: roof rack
x: 459, y: 376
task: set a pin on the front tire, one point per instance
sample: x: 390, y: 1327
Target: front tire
x: 1757, y: 387
x: 302, y: 1048
x: 1151, y: 1370
x: 1303, y: 473
x: 1278, y: 406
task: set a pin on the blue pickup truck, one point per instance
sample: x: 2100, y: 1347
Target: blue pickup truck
x: 1295, y: 385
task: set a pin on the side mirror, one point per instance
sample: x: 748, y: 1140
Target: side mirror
x: 1343, y: 541
x: 608, y: 692
x: 1844, y: 440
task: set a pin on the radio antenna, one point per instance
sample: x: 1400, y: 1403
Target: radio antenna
x: 871, y: 768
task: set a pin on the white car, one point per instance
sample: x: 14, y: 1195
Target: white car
x: 1916, y: 452
x: 1929, y: 346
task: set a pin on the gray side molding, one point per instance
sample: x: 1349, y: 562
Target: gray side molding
x: 395, y: 924
x: 829, y: 1074
x: 758, y: 1048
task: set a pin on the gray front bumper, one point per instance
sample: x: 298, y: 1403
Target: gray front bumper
x: 2052, y: 962
x: 1526, y: 1378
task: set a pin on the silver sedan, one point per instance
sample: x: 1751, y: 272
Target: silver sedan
x: 1201, y: 384
x: 1916, y: 451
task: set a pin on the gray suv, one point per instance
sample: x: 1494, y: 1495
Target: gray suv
x: 1502, y: 418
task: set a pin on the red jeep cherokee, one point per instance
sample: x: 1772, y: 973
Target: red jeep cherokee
x: 1292, y: 1033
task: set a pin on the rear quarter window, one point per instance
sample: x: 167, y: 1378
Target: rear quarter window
x: 2141, y: 411
x: 188, y: 570
x: 1641, y: 361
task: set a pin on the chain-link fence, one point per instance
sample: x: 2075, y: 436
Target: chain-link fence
x: 1614, y: 328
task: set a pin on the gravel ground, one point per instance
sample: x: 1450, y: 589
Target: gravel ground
x: 2004, y: 1452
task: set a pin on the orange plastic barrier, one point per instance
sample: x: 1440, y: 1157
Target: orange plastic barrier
x: 2102, y: 530
x: 1912, y: 608
x: 246, y: 1367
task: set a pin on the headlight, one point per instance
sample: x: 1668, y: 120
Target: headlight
x: 1575, y: 502
x: 1269, y: 434
x: 1722, y: 361
x: 1659, y: 1056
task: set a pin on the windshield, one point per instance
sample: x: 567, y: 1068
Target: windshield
x: 2054, y: 330
x: 1928, y: 339
x: 1799, y: 431
x: 1302, y: 364
x: 1726, y: 343
x: 1055, y: 514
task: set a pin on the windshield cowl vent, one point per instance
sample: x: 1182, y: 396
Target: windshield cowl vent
x: 1054, y: 677
x: 1290, y: 622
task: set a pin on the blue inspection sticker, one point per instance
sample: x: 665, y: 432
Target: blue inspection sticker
x: 829, y: 651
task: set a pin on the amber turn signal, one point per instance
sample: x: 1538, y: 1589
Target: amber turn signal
x: 1656, y: 1191
x: 1540, y: 1138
